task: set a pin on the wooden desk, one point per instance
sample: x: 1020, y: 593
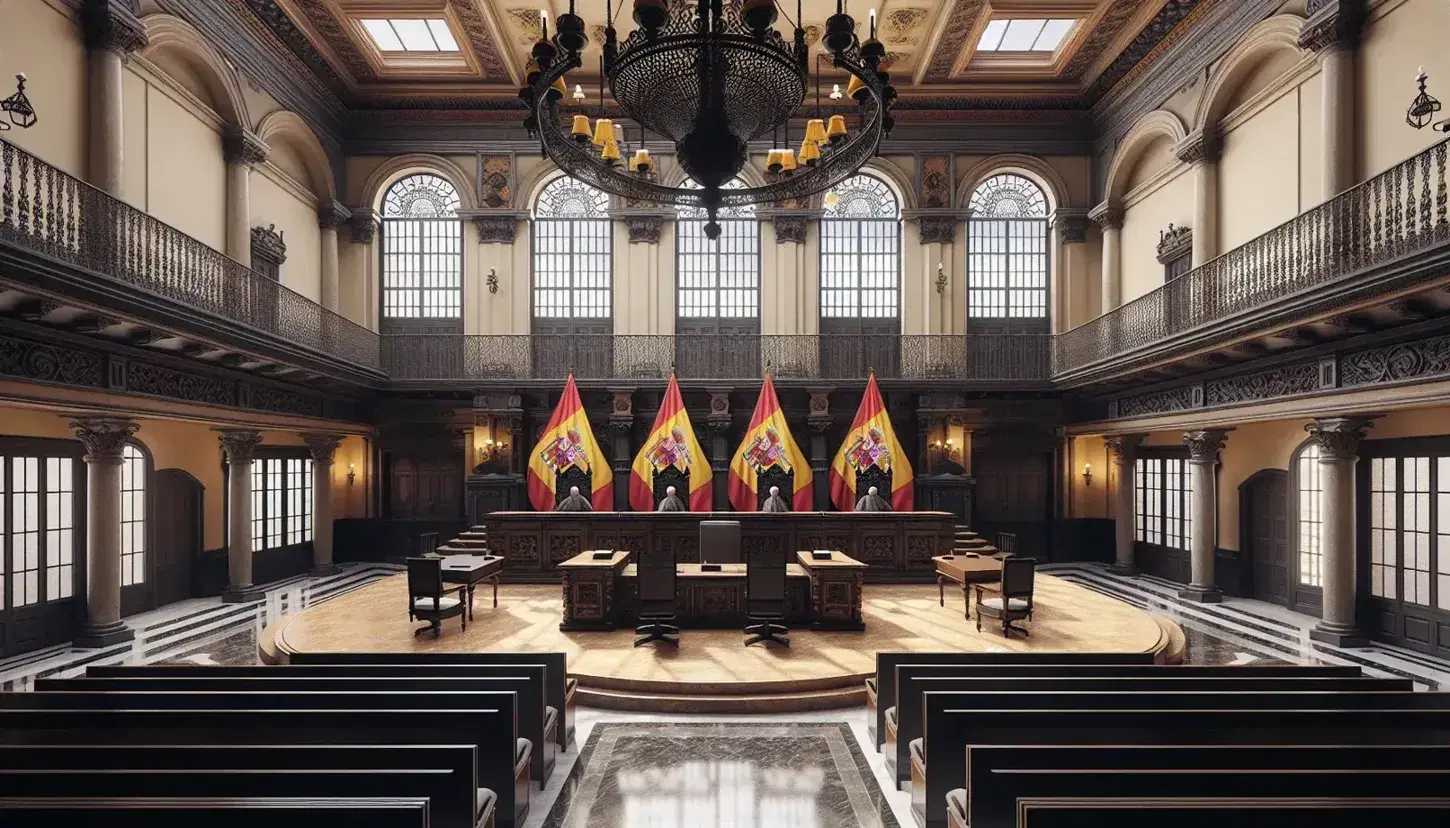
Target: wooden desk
x: 602, y: 594
x: 473, y: 570
x: 836, y: 586
x: 589, y: 602
x: 965, y: 570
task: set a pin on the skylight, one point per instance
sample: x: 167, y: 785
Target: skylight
x: 1024, y: 35
x: 411, y: 35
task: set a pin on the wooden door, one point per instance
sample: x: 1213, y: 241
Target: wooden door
x: 178, y: 534
x: 1264, y: 503
x: 1013, y: 496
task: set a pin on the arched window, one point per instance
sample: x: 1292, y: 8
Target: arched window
x: 1007, y: 267
x: 133, y: 516
x: 1308, y: 549
x: 422, y: 249
x: 860, y: 278
x: 572, y: 252
x: 718, y: 282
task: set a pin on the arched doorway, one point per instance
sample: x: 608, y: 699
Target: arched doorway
x: 1264, y: 535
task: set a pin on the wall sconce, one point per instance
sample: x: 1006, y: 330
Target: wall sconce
x: 22, y: 114
x: 492, y: 280
x: 1087, y: 474
x: 490, y: 450
x: 351, y: 474
x: 1423, y: 108
x: 941, y: 278
x: 948, y: 450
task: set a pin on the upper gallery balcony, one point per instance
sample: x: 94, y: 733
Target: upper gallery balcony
x: 72, y: 254
x: 1387, y: 238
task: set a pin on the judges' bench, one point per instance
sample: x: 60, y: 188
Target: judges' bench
x: 896, y: 546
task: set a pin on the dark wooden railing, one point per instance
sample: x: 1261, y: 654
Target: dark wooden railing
x: 986, y: 357
x: 1399, y: 212
x: 46, y: 211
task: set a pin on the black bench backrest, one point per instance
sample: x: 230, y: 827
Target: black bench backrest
x: 886, y: 669
x: 1275, y: 812
x: 224, y: 812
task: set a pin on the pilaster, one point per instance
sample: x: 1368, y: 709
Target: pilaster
x: 323, y: 448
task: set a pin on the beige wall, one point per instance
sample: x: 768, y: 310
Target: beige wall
x: 185, y: 173
x: 39, y: 38
x: 1165, y: 198
x: 1403, y: 35
x: 278, y: 200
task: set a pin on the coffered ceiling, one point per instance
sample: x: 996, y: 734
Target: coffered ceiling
x: 468, y: 57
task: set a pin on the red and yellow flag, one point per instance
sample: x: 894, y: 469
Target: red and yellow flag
x: 768, y: 443
x: 568, y: 441
x: 670, y: 443
x: 871, y: 443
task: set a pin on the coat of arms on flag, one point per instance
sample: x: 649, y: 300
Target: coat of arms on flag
x: 766, y: 450
x: 564, y: 452
x: 869, y: 450
x: 670, y: 450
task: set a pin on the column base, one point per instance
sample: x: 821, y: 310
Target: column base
x: 1201, y: 594
x: 1124, y: 569
x: 324, y: 570
x: 103, y: 635
x: 243, y: 594
x: 1339, y: 635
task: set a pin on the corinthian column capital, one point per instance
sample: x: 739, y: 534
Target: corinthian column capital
x: 104, y: 437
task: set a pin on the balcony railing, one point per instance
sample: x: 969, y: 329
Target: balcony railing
x: 451, y: 357
x: 49, y: 212
x: 1399, y: 212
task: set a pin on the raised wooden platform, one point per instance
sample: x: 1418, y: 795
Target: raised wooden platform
x: 711, y: 671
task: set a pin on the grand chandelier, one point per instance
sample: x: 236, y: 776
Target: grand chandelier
x: 711, y: 77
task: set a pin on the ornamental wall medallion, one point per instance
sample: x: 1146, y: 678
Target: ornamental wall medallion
x: 935, y: 187
x: 495, y: 180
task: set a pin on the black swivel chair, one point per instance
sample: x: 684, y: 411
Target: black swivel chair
x: 426, y: 598
x: 720, y: 542
x: 765, y: 602
x: 655, y: 568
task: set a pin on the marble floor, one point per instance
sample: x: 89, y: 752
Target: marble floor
x: 722, y: 771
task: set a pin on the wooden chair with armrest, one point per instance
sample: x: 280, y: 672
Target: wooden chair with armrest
x: 1010, y: 599
x: 765, y: 597
x: 427, y: 600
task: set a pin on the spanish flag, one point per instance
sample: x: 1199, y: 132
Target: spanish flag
x: 568, y: 441
x: 871, y: 443
x: 768, y: 443
x: 670, y: 443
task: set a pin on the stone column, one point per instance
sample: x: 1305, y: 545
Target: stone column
x: 323, y: 448
x: 104, y: 439
x: 330, y: 216
x: 1070, y: 225
x: 1333, y: 30
x: 1201, y: 151
x: 1110, y: 218
x: 1122, y: 452
x: 242, y: 149
x: 112, y: 31
x: 1203, y: 449
x: 1338, y: 439
x: 239, y: 445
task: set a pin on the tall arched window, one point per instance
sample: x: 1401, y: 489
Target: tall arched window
x: 422, y: 249
x: 717, y: 292
x: 860, y: 278
x: 573, y: 295
x: 133, y: 516
x: 1007, y: 266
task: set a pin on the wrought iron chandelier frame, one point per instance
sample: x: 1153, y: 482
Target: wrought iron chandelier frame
x: 838, y: 161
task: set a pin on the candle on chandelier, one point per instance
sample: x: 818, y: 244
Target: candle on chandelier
x: 544, y: 24
x: 873, y: 24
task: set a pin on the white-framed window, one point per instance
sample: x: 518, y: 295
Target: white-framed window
x: 38, y: 538
x: 1309, y: 544
x: 281, y: 501
x: 133, y: 516
x: 861, y: 250
x: 1007, y: 259
x: 573, y: 252
x: 422, y: 250
x: 1163, y: 498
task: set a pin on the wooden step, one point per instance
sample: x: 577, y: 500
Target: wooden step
x: 461, y: 541
x: 474, y: 534
x: 694, y: 703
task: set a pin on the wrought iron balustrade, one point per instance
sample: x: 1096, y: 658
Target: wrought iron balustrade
x: 1400, y: 212
x: 469, y: 358
x: 46, y: 211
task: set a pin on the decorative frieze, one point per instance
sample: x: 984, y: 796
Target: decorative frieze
x: 1424, y: 359
x: 1284, y: 381
x: 160, y: 381
x: 28, y: 360
x: 104, y: 437
x: 1156, y: 402
x: 278, y: 401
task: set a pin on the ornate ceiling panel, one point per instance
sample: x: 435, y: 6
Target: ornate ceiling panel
x: 935, y: 49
